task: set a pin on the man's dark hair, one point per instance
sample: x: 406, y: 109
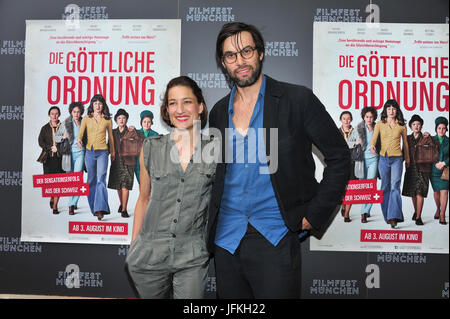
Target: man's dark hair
x: 232, y: 29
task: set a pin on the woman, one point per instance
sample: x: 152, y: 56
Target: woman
x: 96, y: 124
x: 440, y: 186
x: 73, y: 162
x: 391, y: 129
x: 168, y: 255
x: 365, y: 131
x: 417, y: 176
x: 47, y: 142
x: 352, y: 139
x: 121, y: 176
x: 146, y: 124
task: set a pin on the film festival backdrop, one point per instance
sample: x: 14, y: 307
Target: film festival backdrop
x: 352, y: 53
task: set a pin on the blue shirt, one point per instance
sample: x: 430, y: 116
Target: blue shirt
x: 248, y: 195
x: 76, y: 130
x: 369, y: 135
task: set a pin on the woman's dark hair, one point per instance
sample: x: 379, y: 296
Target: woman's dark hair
x: 370, y: 109
x: 54, y: 108
x: 232, y: 29
x: 142, y: 119
x: 187, y: 82
x: 398, y: 116
x: 441, y: 120
x: 105, y: 109
x: 346, y: 112
x: 78, y: 105
x: 415, y: 118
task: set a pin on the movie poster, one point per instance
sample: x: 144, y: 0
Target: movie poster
x: 129, y: 62
x: 357, y: 65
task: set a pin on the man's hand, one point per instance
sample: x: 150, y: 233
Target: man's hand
x: 306, y: 225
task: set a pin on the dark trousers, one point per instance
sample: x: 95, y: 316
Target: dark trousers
x: 258, y: 269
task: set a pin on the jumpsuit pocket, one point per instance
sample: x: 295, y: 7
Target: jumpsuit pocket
x: 148, y: 255
x: 199, y: 248
x: 206, y: 176
x: 159, y: 184
x: 131, y: 254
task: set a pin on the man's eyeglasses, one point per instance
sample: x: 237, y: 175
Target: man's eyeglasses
x: 246, y: 53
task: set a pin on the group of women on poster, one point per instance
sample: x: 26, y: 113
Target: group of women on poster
x: 92, y: 140
x: 382, y: 156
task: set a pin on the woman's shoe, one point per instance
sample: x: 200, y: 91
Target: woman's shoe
x: 436, y: 216
x: 99, y: 215
x: 125, y: 214
x: 414, y: 217
x: 72, y: 210
x: 364, y: 218
x: 55, y: 211
x: 120, y: 209
x: 392, y: 222
x: 347, y: 220
x: 442, y: 222
x: 51, y: 204
x: 419, y: 221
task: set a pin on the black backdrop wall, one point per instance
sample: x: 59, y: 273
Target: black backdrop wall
x: 39, y: 268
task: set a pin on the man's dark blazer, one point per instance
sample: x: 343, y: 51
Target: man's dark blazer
x: 301, y: 120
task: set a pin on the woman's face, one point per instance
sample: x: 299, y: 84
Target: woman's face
x: 146, y: 123
x: 346, y: 120
x: 183, y: 107
x: 368, y: 118
x: 416, y: 126
x: 441, y: 130
x: 98, y: 106
x: 121, y: 120
x: 76, y: 113
x: 54, y: 115
x: 391, y: 112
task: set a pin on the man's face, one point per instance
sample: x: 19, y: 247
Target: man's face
x: 243, y: 72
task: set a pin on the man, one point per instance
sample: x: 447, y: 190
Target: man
x: 255, y: 218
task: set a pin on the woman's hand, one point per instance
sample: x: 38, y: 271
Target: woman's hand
x: 358, y: 141
x: 131, y: 128
x: 66, y: 135
x: 54, y: 149
x: 440, y: 165
x: 113, y: 157
x: 373, y: 150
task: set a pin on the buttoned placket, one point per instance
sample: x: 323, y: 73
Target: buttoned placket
x: 180, y: 176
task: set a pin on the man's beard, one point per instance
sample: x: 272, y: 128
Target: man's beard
x: 249, y: 81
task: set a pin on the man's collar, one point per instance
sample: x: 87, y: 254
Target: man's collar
x: 261, y: 93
